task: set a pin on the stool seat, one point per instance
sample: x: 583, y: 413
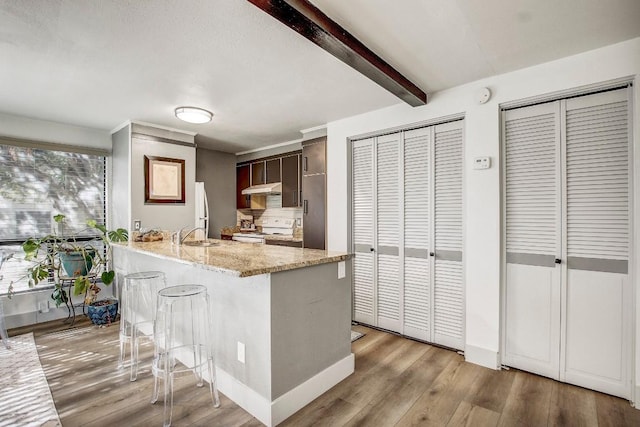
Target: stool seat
x: 137, y: 313
x: 183, y: 342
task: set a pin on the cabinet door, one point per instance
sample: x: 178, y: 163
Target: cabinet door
x: 290, y: 183
x: 313, y: 189
x: 257, y: 173
x: 273, y: 171
x: 313, y: 156
x: 243, y: 180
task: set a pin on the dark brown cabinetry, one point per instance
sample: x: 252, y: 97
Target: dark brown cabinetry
x: 243, y: 180
x: 313, y: 156
x: 291, y: 181
x: 257, y: 173
x: 314, y: 193
x: 273, y: 171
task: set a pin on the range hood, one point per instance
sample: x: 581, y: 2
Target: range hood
x: 273, y: 188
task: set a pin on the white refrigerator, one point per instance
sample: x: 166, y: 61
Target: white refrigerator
x: 202, y: 211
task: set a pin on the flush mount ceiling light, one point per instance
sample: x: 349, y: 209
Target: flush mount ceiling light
x: 193, y: 114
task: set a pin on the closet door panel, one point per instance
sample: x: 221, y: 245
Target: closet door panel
x: 448, y: 294
x: 363, y: 231
x: 598, y: 231
x: 388, y: 193
x: 532, y: 229
x: 417, y: 233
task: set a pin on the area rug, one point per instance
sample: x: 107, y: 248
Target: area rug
x: 25, y: 398
x: 356, y: 335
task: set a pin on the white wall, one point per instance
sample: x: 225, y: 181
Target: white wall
x: 482, y: 188
x: 41, y: 130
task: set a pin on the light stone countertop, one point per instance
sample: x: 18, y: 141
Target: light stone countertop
x: 237, y: 258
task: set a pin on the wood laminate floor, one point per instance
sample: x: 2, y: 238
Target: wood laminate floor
x: 397, y: 382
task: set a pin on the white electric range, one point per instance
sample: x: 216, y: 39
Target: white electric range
x: 270, y: 226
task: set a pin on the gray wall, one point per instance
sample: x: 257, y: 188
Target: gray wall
x: 218, y: 172
x: 161, y: 216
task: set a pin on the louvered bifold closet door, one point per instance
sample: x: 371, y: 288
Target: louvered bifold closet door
x: 363, y: 231
x: 388, y: 198
x: 448, y: 293
x: 598, y: 232
x: 532, y: 229
x: 417, y: 232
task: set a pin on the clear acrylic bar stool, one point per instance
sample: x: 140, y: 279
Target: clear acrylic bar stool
x: 3, y: 330
x: 137, y: 313
x: 183, y: 342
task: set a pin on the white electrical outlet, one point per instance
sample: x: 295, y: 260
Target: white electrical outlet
x: 341, y: 270
x: 482, y: 163
x: 43, y: 306
x: 240, y: 352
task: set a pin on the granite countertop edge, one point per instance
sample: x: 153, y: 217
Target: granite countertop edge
x: 166, y: 250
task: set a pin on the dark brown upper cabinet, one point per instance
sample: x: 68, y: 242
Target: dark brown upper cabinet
x: 291, y: 181
x: 313, y: 156
x: 243, y: 180
x: 273, y: 171
x: 257, y: 173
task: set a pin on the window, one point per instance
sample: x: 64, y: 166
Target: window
x: 38, y: 181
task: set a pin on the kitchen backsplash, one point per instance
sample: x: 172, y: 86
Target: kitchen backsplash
x: 273, y: 210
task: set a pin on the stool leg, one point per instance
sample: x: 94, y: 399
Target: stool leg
x: 134, y: 352
x: 213, y: 384
x: 168, y: 374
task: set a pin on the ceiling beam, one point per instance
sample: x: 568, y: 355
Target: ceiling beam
x: 309, y: 21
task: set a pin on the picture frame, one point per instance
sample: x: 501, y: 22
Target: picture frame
x: 163, y: 180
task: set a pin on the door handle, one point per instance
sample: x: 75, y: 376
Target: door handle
x: 372, y: 250
x: 295, y: 197
x: 305, y: 208
x: 305, y: 164
x: 558, y: 261
x: 432, y: 254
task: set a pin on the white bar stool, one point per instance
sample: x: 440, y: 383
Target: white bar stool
x: 137, y: 312
x: 183, y: 344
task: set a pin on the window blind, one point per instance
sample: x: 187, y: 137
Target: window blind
x: 38, y: 183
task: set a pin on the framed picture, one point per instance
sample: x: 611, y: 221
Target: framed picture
x: 163, y: 180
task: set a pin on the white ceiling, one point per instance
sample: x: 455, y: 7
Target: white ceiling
x: 99, y: 63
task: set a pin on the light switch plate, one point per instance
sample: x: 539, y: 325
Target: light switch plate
x: 137, y: 224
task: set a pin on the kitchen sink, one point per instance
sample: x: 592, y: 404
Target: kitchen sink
x: 201, y: 243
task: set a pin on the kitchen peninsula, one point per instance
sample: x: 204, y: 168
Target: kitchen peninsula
x: 289, y: 308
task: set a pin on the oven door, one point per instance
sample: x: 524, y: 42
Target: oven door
x: 247, y: 239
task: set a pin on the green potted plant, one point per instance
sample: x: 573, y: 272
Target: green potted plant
x: 70, y: 258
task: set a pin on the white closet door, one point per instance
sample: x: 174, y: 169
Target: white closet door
x: 388, y: 198
x: 532, y: 228
x: 597, y: 252
x: 448, y: 293
x: 417, y: 232
x: 363, y: 231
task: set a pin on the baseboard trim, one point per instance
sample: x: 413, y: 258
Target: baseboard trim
x: 292, y: 401
x: 244, y: 396
x: 481, y: 356
x: 273, y: 413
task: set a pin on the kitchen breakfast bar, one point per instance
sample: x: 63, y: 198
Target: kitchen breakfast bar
x: 289, y: 307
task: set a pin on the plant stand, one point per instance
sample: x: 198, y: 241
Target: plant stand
x: 71, y: 307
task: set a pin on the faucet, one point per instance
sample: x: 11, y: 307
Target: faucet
x: 180, y: 238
